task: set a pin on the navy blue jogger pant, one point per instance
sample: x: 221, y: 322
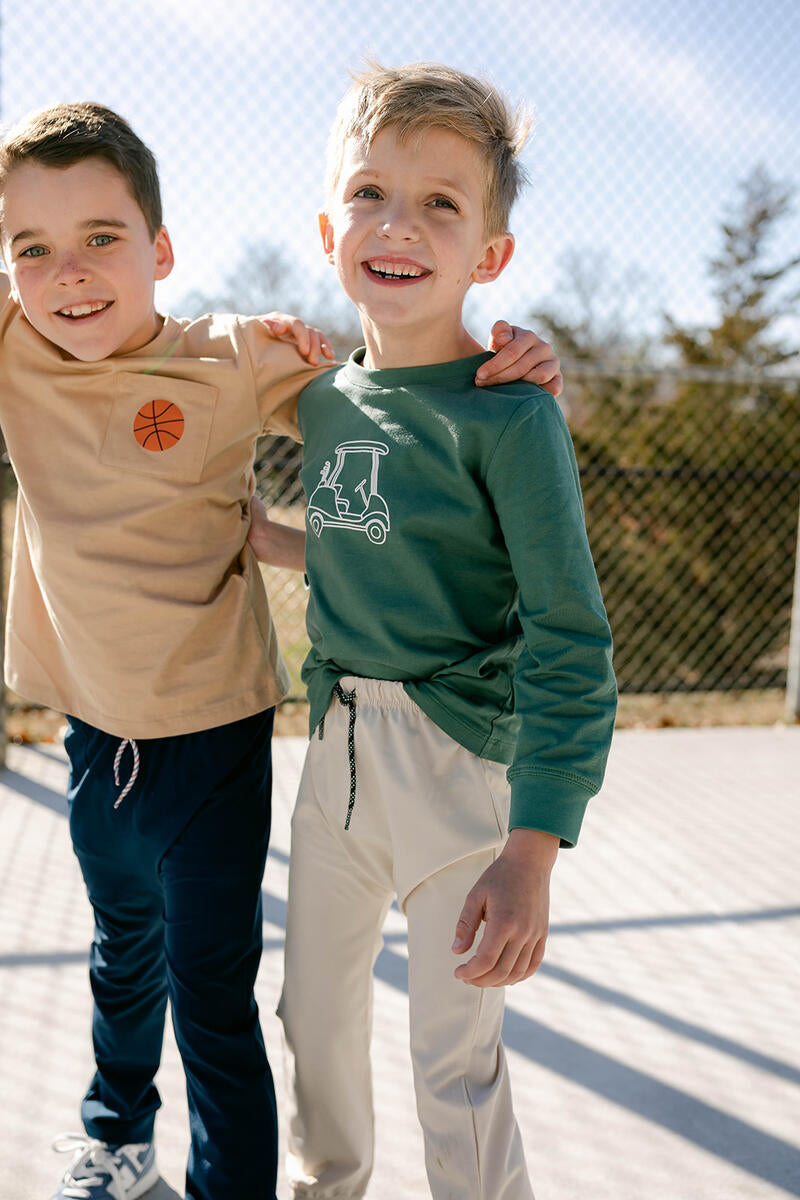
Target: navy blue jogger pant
x: 174, y: 878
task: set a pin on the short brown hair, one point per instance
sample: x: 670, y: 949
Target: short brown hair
x: 68, y: 133
x: 422, y: 96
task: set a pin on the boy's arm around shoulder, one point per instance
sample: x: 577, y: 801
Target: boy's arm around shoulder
x: 279, y: 376
x: 274, y: 543
x: 565, y: 693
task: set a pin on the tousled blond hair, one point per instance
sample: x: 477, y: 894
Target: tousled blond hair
x: 422, y: 96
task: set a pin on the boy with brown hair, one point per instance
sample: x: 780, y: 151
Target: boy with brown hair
x: 457, y: 630
x: 136, y: 607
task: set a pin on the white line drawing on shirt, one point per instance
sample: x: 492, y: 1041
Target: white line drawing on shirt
x: 328, y: 505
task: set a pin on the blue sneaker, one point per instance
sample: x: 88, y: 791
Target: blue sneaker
x: 98, y: 1173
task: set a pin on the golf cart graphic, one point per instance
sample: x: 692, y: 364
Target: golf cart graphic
x: 347, y: 496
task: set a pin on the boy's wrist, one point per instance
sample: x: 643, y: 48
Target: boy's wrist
x: 533, y: 846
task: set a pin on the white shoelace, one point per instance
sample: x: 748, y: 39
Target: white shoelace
x: 91, y: 1156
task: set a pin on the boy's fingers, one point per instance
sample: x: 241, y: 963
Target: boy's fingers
x: 501, y: 334
x: 529, y: 367
x: 547, y: 374
x: 516, y: 358
x: 493, y: 962
x: 555, y: 384
x: 275, y: 325
x: 509, y: 352
x: 536, y: 958
x: 314, y: 348
x: 468, y: 923
x: 309, y: 341
x: 302, y: 337
x: 322, y: 343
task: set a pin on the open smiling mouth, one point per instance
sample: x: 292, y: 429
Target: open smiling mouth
x: 79, y: 312
x: 389, y: 272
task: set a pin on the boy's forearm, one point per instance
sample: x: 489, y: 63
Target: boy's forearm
x: 279, y: 545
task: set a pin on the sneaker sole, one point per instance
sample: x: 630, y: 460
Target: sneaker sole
x: 145, y: 1184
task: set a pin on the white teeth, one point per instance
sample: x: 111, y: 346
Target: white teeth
x: 83, y: 310
x: 389, y: 270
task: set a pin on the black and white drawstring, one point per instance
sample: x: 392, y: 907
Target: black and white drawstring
x: 117, y: 760
x: 348, y: 699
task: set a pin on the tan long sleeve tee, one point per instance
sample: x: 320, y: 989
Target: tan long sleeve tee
x: 135, y: 601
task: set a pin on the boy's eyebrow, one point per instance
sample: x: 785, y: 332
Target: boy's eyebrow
x: 448, y: 184
x: 95, y: 223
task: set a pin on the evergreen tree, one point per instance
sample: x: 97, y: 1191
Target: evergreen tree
x: 752, y: 293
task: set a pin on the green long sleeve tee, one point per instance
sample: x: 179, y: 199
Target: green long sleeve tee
x: 447, y: 549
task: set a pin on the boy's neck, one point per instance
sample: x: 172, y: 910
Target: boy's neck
x: 387, y: 349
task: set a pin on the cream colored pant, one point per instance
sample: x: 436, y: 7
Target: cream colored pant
x: 429, y: 817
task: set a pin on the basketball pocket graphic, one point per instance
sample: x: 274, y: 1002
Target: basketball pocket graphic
x: 158, y: 425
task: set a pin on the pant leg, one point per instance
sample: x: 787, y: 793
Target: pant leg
x: 336, y: 909
x: 473, y: 1148
x: 212, y: 877
x: 127, y: 966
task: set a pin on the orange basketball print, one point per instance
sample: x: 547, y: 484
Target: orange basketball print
x: 158, y: 425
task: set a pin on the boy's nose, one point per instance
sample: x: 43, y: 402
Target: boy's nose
x: 71, y: 270
x: 399, y: 223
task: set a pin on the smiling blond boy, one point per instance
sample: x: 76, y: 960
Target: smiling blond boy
x: 458, y: 637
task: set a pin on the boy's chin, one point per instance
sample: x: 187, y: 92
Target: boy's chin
x: 87, y: 354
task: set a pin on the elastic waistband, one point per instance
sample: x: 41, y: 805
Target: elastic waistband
x: 378, y: 693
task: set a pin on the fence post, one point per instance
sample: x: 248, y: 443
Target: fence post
x: 792, y: 710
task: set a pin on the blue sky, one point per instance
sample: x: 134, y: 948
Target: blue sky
x: 647, y: 113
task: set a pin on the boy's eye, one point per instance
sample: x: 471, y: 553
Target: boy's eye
x: 443, y: 202
x: 368, y: 193
x: 33, y: 252
x: 102, y: 239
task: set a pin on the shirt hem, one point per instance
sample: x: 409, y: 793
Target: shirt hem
x: 209, y: 717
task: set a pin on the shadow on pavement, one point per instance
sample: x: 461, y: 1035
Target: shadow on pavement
x: 677, y: 1025
x: 760, y: 1154
x: 39, y: 792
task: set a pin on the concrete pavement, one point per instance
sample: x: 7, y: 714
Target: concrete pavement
x: 655, y: 1056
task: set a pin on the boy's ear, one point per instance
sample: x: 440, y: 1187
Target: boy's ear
x: 326, y: 232
x: 495, y: 259
x: 165, y: 258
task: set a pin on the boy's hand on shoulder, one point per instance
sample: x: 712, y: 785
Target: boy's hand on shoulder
x: 310, y: 341
x: 520, y: 354
x: 513, y: 897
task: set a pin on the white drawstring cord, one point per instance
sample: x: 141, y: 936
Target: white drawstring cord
x: 118, y: 759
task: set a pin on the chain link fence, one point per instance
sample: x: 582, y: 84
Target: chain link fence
x: 657, y: 249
